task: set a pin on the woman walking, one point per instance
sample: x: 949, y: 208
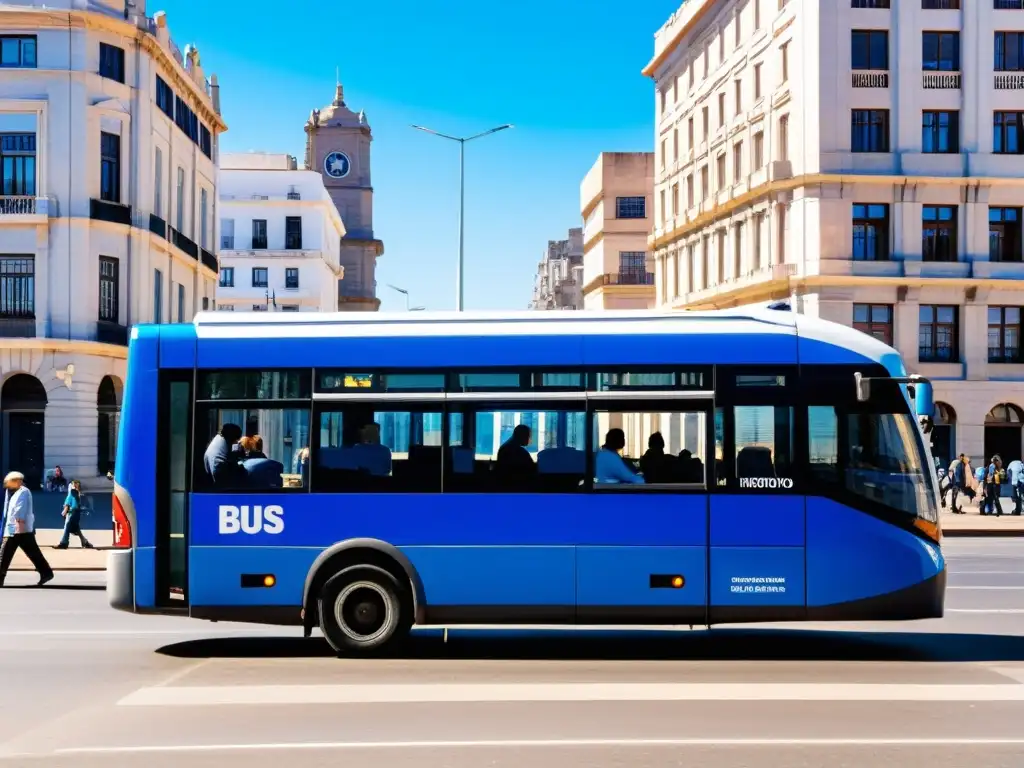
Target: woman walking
x: 73, y: 517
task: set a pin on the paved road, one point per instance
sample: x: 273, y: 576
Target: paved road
x: 83, y: 687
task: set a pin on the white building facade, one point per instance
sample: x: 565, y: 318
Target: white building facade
x: 559, y: 280
x: 108, y: 145
x: 280, y: 237
x: 865, y: 159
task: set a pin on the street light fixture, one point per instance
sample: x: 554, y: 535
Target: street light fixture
x: 406, y: 294
x: 459, y: 292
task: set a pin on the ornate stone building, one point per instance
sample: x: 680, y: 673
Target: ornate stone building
x: 338, y: 146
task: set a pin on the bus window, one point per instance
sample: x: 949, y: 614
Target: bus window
x: 823, y: 443
x: 251, y: 449
x: 516, y: 451
x: 253, y: 385
x: 754, y: 447
x: 366, y: 450
x: 649, y: 449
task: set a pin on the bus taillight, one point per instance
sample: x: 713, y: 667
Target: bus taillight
x: 122, y: 528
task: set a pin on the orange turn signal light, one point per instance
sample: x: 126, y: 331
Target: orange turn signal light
x: 677, y: 582
x: 269, y: 581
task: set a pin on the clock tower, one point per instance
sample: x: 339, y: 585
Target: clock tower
x: 338, y: 146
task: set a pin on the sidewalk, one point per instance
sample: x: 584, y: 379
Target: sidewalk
x: 72, y: 559
x: 975, y: 524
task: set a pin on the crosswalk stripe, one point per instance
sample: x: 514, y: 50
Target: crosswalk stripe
x: 241, y: 695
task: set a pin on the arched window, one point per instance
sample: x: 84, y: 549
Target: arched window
x: 1003, y: 432
x: 943, y: 434
x: 108, y: 406
x: 23, y: 403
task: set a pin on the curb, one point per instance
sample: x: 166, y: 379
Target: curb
x: 983, y: 532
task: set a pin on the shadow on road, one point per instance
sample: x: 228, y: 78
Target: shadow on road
x: 718, y: 644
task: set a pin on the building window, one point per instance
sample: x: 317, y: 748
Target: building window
x: 1008, y: 133
x: 109, y: 281
x: 940, y: 132
x: 259, y: 277
x: 757, y: 82
x: 1004, y: 234
x: 874, y: 320
x: 689, y: 133
x: 869, y: 4
x: 869, y: 49
x: 720, y: 276
x: 737, y: 162
x: 705, y: 119
x: 112, y: 62
x: 227, y: 234
x: 181, y: 303
x: 180, y: 214
x: 18, y: 51
x: 164, y: 97
x: 664, y: 209
x: 293, y: 233
x: 940, y: 51
x: 633, y: 268
x: 784, y: 138
x: 158, y: 296
x: 205, y: 141
x: 110, y: 167
x: 784, y: 56
x: 757, y: 14
x: 758, y: 159
x: 720, y: 169
x: 630, y: 207
x: 675, y: 200
x: 757, y: 234
x: 259, y: 234
x: 721, y: 110
x: 939, y: 233
x: 158, y: 183
x: 704, y: 183
x: 939, y: 334
x: 1009, y: 52
x: 675, y: 144
x: 939, y: 5
x: 664, y: 153
x: 739, y: 96
x: 17, y: 287
x: 869, y: 130
x: 689, y: 191
x: 291, y: 277
x: 870, y: 232
x: 202, y: 218
x: 737, y: 249
x: 18, y: 160
x: 1004, y: 335
x: 227, y: 277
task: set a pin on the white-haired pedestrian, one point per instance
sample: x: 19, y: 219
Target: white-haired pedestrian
x: 18, y: 525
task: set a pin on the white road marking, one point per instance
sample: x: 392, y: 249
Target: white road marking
x: 241, y: 695
x: 121, y: 632
x: 539, y: 743
x: 987, y: 586
x: 985, y: 610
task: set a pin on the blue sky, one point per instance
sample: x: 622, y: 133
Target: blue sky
x: 566, y: 73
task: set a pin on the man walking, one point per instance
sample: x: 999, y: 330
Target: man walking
x: 1015, y: 476
x: 18, y: 526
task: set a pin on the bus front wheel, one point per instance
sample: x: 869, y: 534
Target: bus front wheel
x: 361, y: 610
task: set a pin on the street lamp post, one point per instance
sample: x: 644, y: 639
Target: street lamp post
x: 459, y: 279
x: 405, y: 293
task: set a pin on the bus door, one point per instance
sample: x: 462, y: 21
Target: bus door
x: 757, y: 508
x: 173, y: 478
x: 642, y: 556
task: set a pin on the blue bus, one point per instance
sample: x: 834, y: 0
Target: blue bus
x: 365, y: 473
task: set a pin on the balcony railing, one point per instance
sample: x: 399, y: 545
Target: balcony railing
x: 104, y: 210
x: 227, y: 242
x: 293, y: 242
x: 941, y: 80
x: 157, y: 226
x: 294, y: 195
x: 877, y: 79
x: 628, y: 278
x: 259, y: 243
x: 1008, y: 5
x: 184, y: 243
x: 209, y: 260
x: 18, y: 205
x: 19, y: 327
x: 1009, y: 81
x: 111, y: 333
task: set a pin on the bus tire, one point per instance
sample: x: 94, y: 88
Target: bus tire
x: 362, y: 610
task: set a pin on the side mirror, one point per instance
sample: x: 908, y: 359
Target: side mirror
x: 863, y: 387
x: 924, y: 402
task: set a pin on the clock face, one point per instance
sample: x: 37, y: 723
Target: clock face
x: 337, y: 165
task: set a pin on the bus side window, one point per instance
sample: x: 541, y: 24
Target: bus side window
x: 655, y: 448
x: 754, y: 447
x: 823, y: 443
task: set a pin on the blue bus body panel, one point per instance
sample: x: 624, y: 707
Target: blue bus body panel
x: 851, y: 555
x: 620, y: 576
x: 137, y: 475
x: 178, y: 346
x: 757, y: 521
x: 214, y: 575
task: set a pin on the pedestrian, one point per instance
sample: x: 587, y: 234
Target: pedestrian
x: 73, y: 517
x: 958, y: 479
x: 994, y: 477
x: 19, y: 529
x: 1015, y: 475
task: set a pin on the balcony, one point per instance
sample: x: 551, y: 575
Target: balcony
x: 111, y: 333
x: 209, y: 260
x: 1009, y: 81
x: 626, y: 278
x: 17, y: 327
x: 259, y: 243
x: 871, y: 79
x: 293, y: 242
x: 157, y: 226
x: 104, y: 210
x: 941, y: 80
x: 184, y: 243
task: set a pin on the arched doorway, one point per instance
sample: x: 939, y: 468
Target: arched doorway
x: 108, y: 407
x: 23, y: 403
x: 1003, y: 432
x: 944, y: 434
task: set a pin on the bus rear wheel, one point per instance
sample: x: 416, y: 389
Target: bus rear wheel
x: 362, y: 611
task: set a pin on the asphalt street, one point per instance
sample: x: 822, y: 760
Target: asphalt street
x: 82, y: 686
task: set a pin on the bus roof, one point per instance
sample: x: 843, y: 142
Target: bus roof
x: 752, y: 335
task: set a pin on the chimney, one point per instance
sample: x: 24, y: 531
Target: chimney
x: 215, y: 93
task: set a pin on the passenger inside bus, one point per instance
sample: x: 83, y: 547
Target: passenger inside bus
x: 261, y: 471
x: 655, y: 465
x: 514, y: 461
x: 222, y: 458
x: 611, y: 468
